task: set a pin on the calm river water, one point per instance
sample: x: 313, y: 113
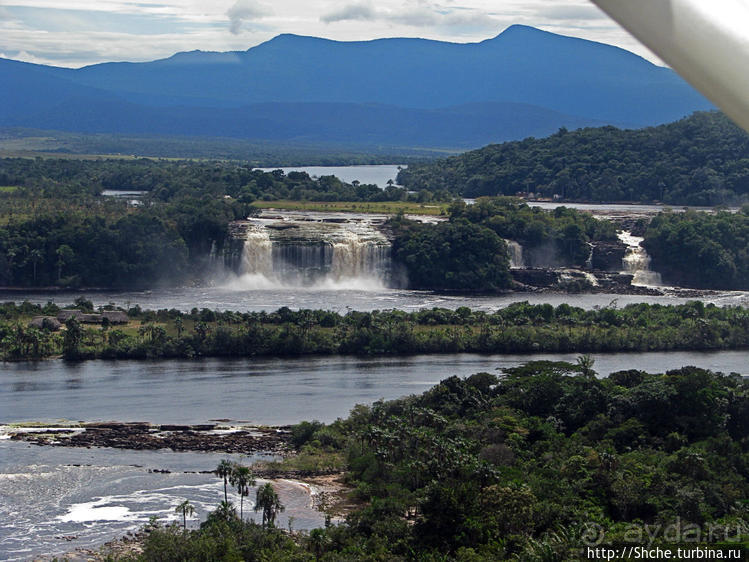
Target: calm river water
x: 378, y: 174
x: 269, y: 391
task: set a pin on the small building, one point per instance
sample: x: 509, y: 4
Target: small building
x: 65, y: 315
x: 115, y: 316
x: 46, y: 323
x: 90, y: 318
x: 112, y: 316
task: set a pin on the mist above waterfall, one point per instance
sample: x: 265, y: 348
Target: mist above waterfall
x: 257, y: 282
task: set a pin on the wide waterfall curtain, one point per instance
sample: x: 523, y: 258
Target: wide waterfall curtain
x: 706, y: 41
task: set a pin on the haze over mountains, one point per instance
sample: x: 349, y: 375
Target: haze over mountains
x: 396, y: 92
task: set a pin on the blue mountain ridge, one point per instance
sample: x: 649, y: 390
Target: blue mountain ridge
x: 398, y: 91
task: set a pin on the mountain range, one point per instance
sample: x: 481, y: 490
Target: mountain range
x: 395, y: 92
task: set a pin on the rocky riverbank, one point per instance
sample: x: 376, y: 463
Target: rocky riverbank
x: 144, y: 436
x: 131, y: 545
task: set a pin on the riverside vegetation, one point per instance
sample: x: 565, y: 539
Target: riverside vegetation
x: 534, y: 465
x: 518, y: 328
x: 701, y: 250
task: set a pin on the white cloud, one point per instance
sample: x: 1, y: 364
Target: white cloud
x: 572, y: 12
x: 420, y: 14
x: 359, y: 11
x: 244, y: 10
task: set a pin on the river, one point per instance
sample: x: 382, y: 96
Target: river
x: 269, y: 391
x: 53, y: 500
x: 369, y: 296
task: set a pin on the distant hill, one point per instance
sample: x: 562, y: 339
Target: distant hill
x: 401, y: 92
x: 700, y: 160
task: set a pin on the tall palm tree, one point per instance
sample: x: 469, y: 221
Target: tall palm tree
x: 241, y: 477
x: 224, y: 470
x: 185, y: 508
x: 267, y: 500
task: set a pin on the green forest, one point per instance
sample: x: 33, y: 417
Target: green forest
x: 169, y: 179
x: 700, y: 160
x: 518, y: 328
x: 700, y: 249
x: 539, y: 463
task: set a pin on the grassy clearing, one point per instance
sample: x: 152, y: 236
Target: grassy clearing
x: 8, y: 188
x: 380, y: 207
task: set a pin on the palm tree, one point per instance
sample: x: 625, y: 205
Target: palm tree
x: 241, y: 477
x: 318, y: 541
x: 185, y: 508
x: 224, y: 470
x: 225, y: 511
x: 267, y: 500
x: 35, y: 256
x: 585, y: 364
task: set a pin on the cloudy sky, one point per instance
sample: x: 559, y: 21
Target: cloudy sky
x: 79, y: 32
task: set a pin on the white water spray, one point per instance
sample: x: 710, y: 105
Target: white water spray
x: 516, y: 254
x: 636, y: 261
x: 310, y: 252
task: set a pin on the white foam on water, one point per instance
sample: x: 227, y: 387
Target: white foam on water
x: 96, y: 511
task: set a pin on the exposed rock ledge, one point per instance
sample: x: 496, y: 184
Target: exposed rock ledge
x: 144, y: 436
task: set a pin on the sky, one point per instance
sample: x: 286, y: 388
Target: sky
x: 76, y: 33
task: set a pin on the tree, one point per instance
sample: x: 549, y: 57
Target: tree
x: 224, y: 470
x: 318, y: 541
x: 225, y: 511
x: 185, y: 509
x: 267, y: 499
x: 241, y: 477
x: 72, y: 340
x: 35, y: 256
x: 64, y: 255
x: 585, y: 363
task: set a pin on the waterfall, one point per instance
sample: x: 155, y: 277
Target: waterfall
x: 302, y: 252
x: 257, y: 256
x: 637, y: 261
x: 516, y: 254
x: 353, y: 257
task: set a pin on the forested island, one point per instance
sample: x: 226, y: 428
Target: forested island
x: 543, y: 462
x: 700, y: 249
x: 700, y: 160
x: 30, y: 331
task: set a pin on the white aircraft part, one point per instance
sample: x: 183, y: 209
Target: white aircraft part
x: 706, y: 41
